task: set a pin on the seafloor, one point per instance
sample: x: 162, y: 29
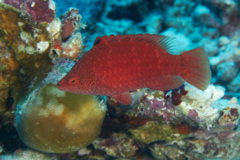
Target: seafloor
x: 40, y: 41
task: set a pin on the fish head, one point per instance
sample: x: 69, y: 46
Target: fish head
x: 80, y: 82
x: 69, y: 83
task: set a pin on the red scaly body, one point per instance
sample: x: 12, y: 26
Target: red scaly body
x: 118, y: 64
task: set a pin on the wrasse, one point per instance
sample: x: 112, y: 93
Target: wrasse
x: 119, y: 64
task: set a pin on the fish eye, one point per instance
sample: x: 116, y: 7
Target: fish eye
x: 97, y: 41
x: 72, y: 81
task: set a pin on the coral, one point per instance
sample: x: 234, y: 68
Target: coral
x: 41, y: 11
x: 118, y: 145
x: 227, y: 71
x: 230, y: 17
x: 60, y: 122
x: 226, y: 63
x: 9, y: 23
x: 204, y: 15
x: 21, y: 34
x: 20, y: 41
x: 156, y: 131
x: 71, y: 48
x: 54, y: 29
x: 184, y: 123
x: 210, y: 46
x: 160, y: 151
x: 29, y: 43
x: 223, y: 116
x: 229, y: 6
x: 26, y: 38
x: 91, y: 12
x: 184, y: 128
x: 216, y: 145
x: 84, y: 151
x: 228, y: 118
x: 8, y: 74
x: 67, y: 42
x: 199, y: 103
x: 25, y: 45
x: 30, y: 155
x: 180, y: 9
x: 117, y: 120
x: 71, y: 22
x: 228, y: 52
x: 154, y: 23
x: 154, y: 105
x: 223, y: 40
x: 234, y: 85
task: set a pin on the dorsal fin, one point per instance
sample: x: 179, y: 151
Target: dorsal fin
x: 170, y: 44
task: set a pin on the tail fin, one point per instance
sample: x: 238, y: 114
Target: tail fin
x: 197, y: 70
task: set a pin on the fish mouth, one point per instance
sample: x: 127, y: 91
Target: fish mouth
x: 63, y: 87
x: 60, y: 86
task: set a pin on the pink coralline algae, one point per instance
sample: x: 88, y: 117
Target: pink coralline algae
x: 157, y: 107
x: 71, y: 22
x: 126, y: 146
x: 193, y: 115
x: 40, y: 10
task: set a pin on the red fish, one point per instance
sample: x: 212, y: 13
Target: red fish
x: 119, y: 64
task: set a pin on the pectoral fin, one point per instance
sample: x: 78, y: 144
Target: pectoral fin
x: 124, y: 98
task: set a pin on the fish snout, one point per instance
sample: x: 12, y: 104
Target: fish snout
x: 60, y: 85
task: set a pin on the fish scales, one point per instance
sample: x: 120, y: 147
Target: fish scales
x: 125, y: 67
x: 134, y: 59
x: 118, y: 64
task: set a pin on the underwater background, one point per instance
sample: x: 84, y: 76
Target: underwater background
x: 40, y: 41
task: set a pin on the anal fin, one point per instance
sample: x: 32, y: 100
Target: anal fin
x: 124, y: 98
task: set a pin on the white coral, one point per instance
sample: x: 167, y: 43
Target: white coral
x: 54, y: 28
x: 72, y: 47
x: 202, y: 102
